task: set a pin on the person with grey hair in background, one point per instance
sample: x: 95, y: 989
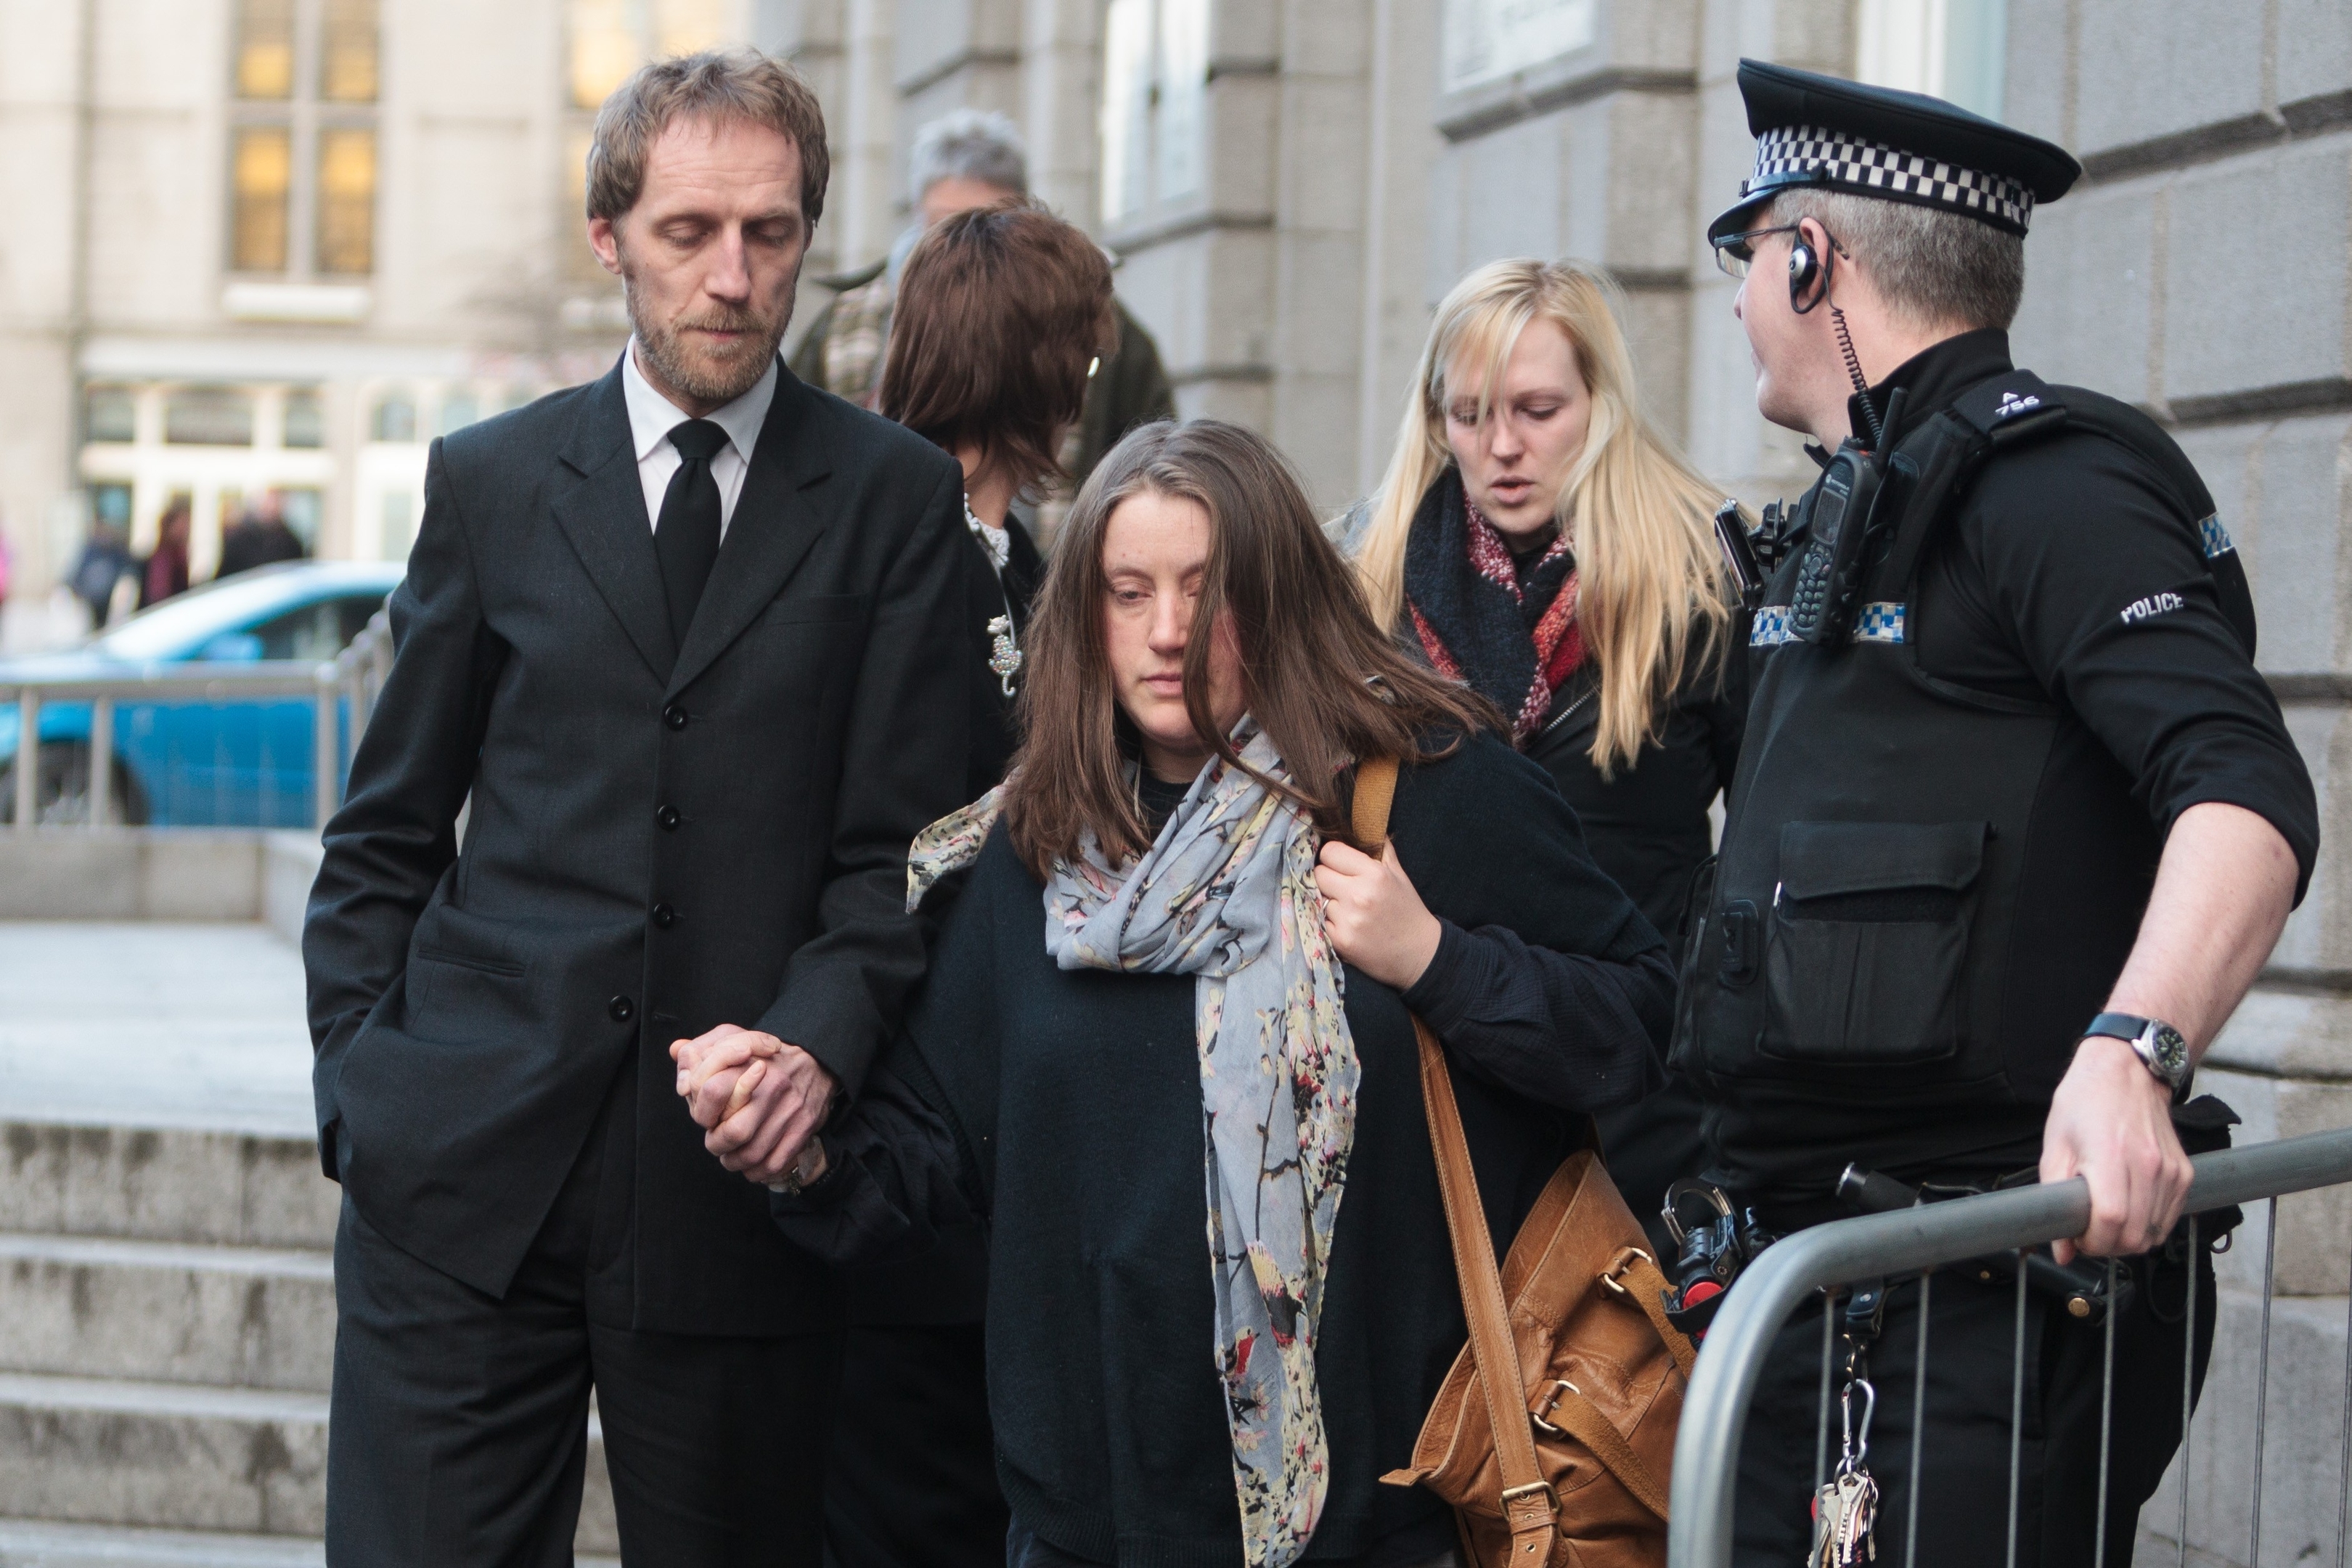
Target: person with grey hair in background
x: 971, y: 158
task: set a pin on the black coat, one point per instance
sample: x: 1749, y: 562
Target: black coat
x: 1068, y: 1105
x: 662, y: 838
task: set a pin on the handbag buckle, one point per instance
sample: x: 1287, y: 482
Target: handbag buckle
x: 1550, y: 1402
x: 1622, y: 1262
x: 1544, y: 1489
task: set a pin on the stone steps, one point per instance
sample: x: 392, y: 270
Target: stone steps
x: 226, y: 1189
x: 188, y: 1457
x: 167, y: 1323
x: 34, y: 1545
x: 167, y: 1311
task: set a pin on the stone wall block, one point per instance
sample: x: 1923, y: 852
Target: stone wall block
x: 36, y: 183
x: 927, y: 35
x: 2303, y: 1439
x: 1651, y: 34
x: 1658, y: 333
x: 2292, y: 551
x: 1322, y: 153
x: 2034, y: 70
x: 1318, y: 325
x: 1206, y: 299
x: 1243, y: 120
x: 2315, y: 54
x: 2295, y: 204
x: 2202, y: 65
x: 1245, y: 30
x: 2088, y: 292
x: 1650, y: 145
x: 1328, y: 38
x: 1511, y: 189
x: 1314, y: 424
x: 1814, y: 34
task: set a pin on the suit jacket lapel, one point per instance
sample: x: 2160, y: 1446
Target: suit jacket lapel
x: 772, y: 527
x: 602, y: 513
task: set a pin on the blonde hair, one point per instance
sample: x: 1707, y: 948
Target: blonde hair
x: 1654, y: 595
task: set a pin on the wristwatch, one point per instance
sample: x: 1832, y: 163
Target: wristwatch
x: 2159, y: 1047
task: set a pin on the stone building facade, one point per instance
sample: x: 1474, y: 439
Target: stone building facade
x: 279, y: 245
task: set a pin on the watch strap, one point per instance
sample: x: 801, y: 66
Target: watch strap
x: 2119, y: 1026
x: 2142, y: 1036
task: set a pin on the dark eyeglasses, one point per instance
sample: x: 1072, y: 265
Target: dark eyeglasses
x: 1736, y: 252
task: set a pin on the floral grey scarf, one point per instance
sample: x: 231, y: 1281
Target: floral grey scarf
x: 1227, y: 893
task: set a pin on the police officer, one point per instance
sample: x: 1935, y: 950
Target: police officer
x: 2016, y: 824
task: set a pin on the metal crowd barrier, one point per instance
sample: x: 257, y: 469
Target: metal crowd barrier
x: 1907, y: 1241
x: 347, y: 684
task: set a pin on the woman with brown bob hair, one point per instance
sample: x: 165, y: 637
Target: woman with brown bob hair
x: 1002, y: 314
x: 1169, y: 1002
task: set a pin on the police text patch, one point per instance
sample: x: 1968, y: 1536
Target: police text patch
x: 2150, y: 607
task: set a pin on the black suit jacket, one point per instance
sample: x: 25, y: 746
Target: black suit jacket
x: 661, y: 839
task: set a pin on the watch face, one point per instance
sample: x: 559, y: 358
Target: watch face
x: 2171, y: 1050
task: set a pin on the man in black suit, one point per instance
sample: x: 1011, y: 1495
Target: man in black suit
x: 691, y: 640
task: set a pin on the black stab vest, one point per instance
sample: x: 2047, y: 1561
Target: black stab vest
x: 1842, y: 989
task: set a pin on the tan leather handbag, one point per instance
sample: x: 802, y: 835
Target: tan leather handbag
x: 1553, y: 1435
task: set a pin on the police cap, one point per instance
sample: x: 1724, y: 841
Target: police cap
x: 1825, y: 132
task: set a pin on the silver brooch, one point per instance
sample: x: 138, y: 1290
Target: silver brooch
x: 1003, y: 653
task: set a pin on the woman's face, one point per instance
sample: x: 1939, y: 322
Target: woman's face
x: 1155, y: 555
x: 1514, y: 465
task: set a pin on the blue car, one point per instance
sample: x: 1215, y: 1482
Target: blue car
x: 216, y: 759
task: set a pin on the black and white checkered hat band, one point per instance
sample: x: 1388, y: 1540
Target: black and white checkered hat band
x: 1791, y: 153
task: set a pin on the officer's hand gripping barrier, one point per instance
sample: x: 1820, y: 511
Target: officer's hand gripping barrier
x: 1723, y: 1385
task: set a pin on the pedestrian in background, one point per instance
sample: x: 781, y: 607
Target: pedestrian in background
x: 259, y: 538
x: 1001, y: 313
x: 1199, y: 1351
x: 164, y: 573
x: 105, y: 560
x: 1536, y: 538
x: 961, y: 160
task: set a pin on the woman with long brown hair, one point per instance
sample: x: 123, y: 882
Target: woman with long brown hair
x: 1536, y: 539
x: 1170, y: 1002
x: 1002, y: 313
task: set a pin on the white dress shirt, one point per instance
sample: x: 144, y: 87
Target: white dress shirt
x: 653, y: 417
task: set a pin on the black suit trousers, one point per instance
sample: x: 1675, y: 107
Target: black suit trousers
x: 459, y: 1424
x: 1964, y: 1455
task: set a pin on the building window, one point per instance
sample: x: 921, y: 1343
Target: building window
x: 611, y: 38
x: 110, y: 414
x: 265, y: 49
x: 1952, y: 49
x: 303, y: 507
x: 347, y: 52
x: 347, y: 201
x: 399, y: 525
x: 302, y: 138
x: 306, y: 420
x: 394, y: 418
x: 261, y: 175
x: 209, y: 417
x: 1155, y: 89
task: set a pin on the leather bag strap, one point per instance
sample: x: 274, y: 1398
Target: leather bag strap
x: 1637, y: 1275
x: 1531, y: 1508
x: 1577, y: 1416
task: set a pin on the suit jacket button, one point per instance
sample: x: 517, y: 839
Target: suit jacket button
x: 674, y: 716
x: 664, y: 916
x: 622, y: 1009
x: 669, y: 817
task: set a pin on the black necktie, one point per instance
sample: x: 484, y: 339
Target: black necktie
x: 687, y: 538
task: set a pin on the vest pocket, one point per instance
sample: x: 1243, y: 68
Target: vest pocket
x: 1869, y: 936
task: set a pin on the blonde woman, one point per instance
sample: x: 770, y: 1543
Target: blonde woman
x: 1536, y: 539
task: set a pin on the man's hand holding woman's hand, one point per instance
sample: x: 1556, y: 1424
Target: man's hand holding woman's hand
x: 757, y: 1099
x: 1374, y: 916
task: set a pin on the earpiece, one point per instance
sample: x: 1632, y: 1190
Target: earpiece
x: 1805, y: 269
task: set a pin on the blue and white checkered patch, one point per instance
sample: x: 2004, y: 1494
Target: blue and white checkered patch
x: 1879, y: 622
x: 2217, y: 537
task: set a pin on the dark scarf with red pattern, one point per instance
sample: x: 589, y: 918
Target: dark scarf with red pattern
x: 1512, y: 638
